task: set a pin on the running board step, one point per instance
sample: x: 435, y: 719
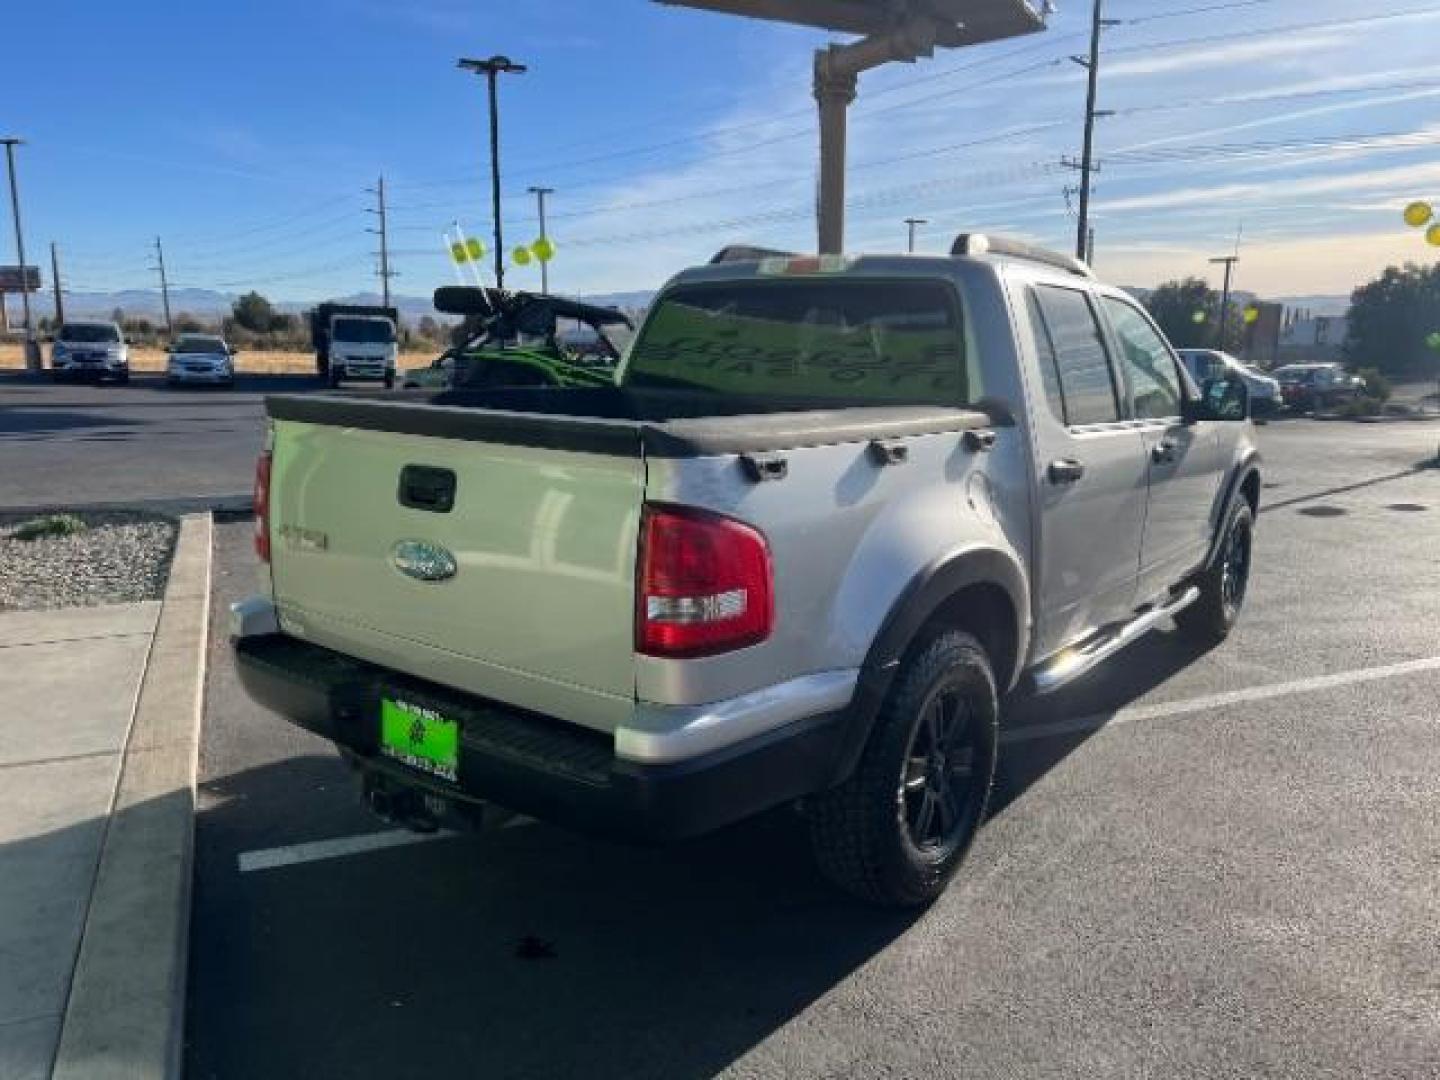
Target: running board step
x: 1072, y: 663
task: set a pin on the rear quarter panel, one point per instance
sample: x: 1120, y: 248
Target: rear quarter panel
x: 847, y: 535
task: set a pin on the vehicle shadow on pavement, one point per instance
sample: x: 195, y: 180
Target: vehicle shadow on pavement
x: 21, y: 422
x: 1083, y: 708
x: 535, y: 952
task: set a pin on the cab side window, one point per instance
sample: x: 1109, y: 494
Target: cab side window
x: 1081, y: 360
x: 1045, y: 353
x: 1149, y: 367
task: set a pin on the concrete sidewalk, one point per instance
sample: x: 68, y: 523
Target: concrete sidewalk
x: 69, y: 680
x: 99, y: 715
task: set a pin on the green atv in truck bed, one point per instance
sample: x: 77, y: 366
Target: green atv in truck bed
x: 513, y: 339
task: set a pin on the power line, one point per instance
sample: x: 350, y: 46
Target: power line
x: 1206, y: 9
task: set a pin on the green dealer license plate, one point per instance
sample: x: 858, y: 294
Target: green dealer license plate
x: 419, y: 737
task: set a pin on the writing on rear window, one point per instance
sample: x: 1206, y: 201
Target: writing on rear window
x: 892, y: 342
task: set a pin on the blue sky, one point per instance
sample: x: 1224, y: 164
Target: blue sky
x: 246, y: 135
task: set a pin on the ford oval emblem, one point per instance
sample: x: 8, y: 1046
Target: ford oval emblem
x: 423, y: 561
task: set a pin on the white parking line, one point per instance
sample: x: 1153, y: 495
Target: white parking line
x: 316, y: 850
x: 1134, y: 714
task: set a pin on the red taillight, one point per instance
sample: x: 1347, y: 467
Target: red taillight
x: 262, y: 507
x: 704, y: 586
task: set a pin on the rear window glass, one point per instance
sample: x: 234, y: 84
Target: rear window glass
x: 890, y: 342
x: 88, y: 332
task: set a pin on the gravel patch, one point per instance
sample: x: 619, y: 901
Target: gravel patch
x: 120, y: 557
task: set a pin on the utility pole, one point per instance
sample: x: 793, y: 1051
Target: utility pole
x: 384, y: 233
x: 55, y: 281
x: 1229, y: 261
x: 910, y: 223
x: 1087, y: 157
x: 164, y: 287
x: 492, y: 68
x: 32, y: 352
x: 540, y: 193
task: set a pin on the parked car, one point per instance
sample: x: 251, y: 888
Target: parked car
x: 1206, y: 364
x: 798, y: 553
x: 1315, y: 387
x: 512, y: 339
x: 94, y: 350
x: 200, y: 358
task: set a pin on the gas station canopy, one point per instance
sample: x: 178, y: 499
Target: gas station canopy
x: 961, y: 22
x: 889, y: 31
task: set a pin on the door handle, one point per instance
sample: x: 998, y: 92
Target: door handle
x: 1163, y: 452
x: 1065, y: 471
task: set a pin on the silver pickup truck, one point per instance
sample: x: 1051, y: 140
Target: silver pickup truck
x: 833, y: 510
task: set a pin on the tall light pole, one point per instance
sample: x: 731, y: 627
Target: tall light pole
x: 492, y: 68
x: 164, y: 287
x: 1229, y: 261
x: 910, y: 223
x: 384, y: 233
x: 540, y: 193
x: 32, y: 354
x: 1087, y: 156
x: 55, y: 281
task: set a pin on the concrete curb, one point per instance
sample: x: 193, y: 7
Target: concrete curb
x: 239, y: 503
x: 125, y: 1014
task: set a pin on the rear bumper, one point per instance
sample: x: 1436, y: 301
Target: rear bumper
x: 539, y: 765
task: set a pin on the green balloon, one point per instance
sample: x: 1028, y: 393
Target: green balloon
x: 1434, y: 341
x: 544, y: 249
x: 1198, y: 317
x: 521, y: 255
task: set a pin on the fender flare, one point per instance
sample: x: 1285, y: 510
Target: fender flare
x: 1248, y: 466
x: 921, y: 598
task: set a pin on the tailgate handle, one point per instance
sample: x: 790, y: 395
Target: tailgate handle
x: 424, y: 487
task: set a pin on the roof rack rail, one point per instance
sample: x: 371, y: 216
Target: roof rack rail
x: 747, y: 253
x: 982, y: 244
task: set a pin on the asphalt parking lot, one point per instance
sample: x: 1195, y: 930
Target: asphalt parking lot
x: 133, y: 444
x: 1199, y: 864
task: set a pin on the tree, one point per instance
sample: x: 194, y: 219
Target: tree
x: 1391, y: 319
x: 1174, y: 306
x: 255, y: 313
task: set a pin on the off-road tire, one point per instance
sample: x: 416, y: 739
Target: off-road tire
x: 1211, y: 618
x: 859, y: 831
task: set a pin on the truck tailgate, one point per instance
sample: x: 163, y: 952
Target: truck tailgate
x: 538, y: 611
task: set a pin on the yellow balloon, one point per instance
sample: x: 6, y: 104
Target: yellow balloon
x: 543, y: 249
x: 1417, y: 214
x: 521, y: 255
x: 475, y: 249
x: 1198, y: 317
x: 457, y: 252
x: 1433, y: 235
x: 1252, y: 314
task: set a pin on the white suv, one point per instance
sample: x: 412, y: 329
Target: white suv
x: 90, y: 349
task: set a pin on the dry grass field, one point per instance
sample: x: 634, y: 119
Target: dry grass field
x: 252, y: 362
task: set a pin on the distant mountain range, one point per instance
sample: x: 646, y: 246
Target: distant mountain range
x: 209, y: 304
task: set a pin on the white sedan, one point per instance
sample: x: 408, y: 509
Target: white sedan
x: 200, y: 358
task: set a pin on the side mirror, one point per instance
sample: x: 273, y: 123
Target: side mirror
x: 1225, y: 399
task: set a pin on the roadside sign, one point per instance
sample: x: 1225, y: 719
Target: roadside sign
x: 11, y: 279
